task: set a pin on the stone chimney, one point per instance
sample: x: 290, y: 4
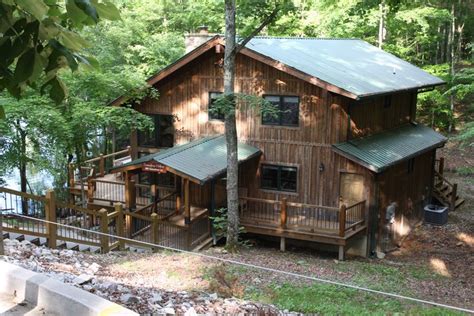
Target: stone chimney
x: 193, y: 40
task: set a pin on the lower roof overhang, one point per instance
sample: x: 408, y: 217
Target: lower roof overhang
x: 199, y: 161
x: 383, y: 150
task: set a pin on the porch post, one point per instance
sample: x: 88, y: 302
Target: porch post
x: 178, y: 194
x: 212, y: 209
x: 283, y: 218
x: 187, y: 203
x: 130, y: 192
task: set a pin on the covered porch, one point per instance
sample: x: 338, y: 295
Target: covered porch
x: 183, y: 187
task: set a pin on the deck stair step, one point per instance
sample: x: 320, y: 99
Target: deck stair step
x: 205, y: 244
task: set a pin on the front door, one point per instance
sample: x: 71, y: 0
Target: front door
x: 351, y: 188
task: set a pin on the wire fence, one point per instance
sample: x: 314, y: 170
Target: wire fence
x: 253, y: 266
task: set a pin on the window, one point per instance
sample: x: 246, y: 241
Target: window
x: 215, y: 115
x: 288, y: 111
x: 162, y: 135
x: 411, y: 165
x: 279, y: 178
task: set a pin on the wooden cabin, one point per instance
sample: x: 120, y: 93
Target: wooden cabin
x: 345, y: 165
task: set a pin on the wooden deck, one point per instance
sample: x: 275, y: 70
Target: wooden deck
x: 323, y: 224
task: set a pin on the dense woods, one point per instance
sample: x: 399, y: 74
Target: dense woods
x: 436, y: 35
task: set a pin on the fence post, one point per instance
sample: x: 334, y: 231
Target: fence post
x: 342, y: 220
x: 441, y: 166
x: 104, y: 228
x: 2, y: 251
x: 119, y: 224
x: 283, y: 218
x: 51, y: 228
x: 102, y: 165
x: 154, y: 230
x: 90, y: 190
x: 130, y: 193
x: 454, y: 195
x: 71, y: 175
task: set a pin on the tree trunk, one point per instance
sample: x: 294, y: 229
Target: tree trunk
x: 231, y: 128
x: 381, y: 24
x: 452, y: 59
x: 22, y: 168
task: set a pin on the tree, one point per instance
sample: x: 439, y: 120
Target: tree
x: 38, y: 40
x: 230, y: 52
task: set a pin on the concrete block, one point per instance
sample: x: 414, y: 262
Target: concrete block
x: 53, y: 295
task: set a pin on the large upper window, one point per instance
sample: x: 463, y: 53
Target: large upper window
x: 163, y: 134
x: 279, y: 178
x: 288, y: 111
x: 215, y: 114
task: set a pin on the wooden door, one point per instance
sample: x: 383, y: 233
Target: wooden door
x: 351, y: 188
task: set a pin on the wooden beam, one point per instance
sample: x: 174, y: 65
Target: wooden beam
x: 187, y: 203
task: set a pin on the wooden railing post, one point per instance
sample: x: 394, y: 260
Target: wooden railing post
x: 50, y: 210
x: 130, y: 193
x: 283, y: 215
x: 104, y: 228
x: 119, y: 224
x: 178, y: 194
x: 70, y: 168
x: 342, y: 220
x: 128, y: 225
x: 90, y: 190
x: 102, y: 165
x: 454, y: 195
x: 154, y: 230
x: 283, y: 218
x: 441, y: 166
x: 2, y: 251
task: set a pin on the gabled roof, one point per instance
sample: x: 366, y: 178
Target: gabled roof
x: 200, y: 160
x: 388, y: 148
x: 350, y: 64
x: 349, y: 67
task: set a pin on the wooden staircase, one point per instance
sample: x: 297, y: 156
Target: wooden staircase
x: 445, y: 191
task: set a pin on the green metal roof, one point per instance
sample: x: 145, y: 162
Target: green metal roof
x: 351, y: 64
x: 202, y: 159
x: 380, y: 151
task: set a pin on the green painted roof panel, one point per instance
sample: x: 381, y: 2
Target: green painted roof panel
x: 351, y: 64
x: 380, y: 151
x: 201, y: 159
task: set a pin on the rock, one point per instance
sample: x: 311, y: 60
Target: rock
x: 380, y: 255
x: 94, y: 268
x: 82, y: 279
x: 213, y: 296
x: 129, y: 299
x: 156, y: 298
x: 168, y: 311
x: 190, y: 312
x: 459, y: 244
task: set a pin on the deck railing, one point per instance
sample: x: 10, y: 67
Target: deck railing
x: 95, y: 167
x: 106, y: 190
x: 79, y: 225
x: 300, y: 216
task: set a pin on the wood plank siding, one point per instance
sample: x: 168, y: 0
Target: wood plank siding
x: 323, y: 121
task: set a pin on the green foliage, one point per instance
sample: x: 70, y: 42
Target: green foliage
x: 220, y: 223
x: 332, y: 300
x: 230, y: 103
x: 38, y: 40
